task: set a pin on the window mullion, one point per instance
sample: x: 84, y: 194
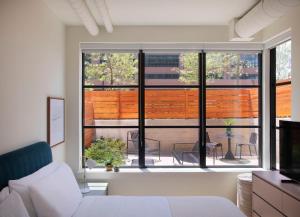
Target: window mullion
x: 202, y: 102
x: 141, y: 109
x: 273, y: 108
x: 260, y: 109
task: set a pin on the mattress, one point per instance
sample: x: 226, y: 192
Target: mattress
x: 150, y: 206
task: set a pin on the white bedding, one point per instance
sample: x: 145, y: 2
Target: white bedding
x: 149, y: 206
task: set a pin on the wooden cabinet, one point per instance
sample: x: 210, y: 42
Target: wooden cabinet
x: 272, y: 198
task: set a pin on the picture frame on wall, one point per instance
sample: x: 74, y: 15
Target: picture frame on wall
x: 55, y: 121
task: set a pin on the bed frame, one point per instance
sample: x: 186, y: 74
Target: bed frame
x: 24, y: 161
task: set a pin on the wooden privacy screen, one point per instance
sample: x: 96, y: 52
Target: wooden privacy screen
x: 173, y: 104
x: 89, y: 119
x: 283, y: 101
x: 178, y: 104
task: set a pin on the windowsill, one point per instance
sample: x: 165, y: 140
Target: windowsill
x: 173, y: 170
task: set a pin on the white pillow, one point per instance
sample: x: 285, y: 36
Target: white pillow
x: 3, y: 194
x: 57, y: 195
x: 21, y: 186
x: 13, y: 206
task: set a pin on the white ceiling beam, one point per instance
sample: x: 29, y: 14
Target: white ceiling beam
x: 95, y: 12
x: 87, y: 19
x: 102, y: 7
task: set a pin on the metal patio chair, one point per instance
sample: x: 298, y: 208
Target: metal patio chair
x: 252, y: 143
x: 152, y: 146
x: 184, y: 154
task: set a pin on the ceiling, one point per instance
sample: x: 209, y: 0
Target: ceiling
x: 161, y: 12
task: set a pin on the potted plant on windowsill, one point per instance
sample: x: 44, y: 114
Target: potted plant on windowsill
x: 108, y: 166
x: 108, y: 152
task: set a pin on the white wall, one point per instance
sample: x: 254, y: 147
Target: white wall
x: 171, y: 182
x: 290, y: 21
x: 32, y: 44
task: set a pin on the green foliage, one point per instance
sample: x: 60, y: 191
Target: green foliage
x: 189, y: 71
x: 283, y: 61
x: 229, y: 122
x: 111, y: 68
x: 107, y: 151
x: 219, y: 65
x: 223, y: 65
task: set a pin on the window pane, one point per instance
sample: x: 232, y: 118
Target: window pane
x: 109, y: 145
x: 171, y: 147
x: 283, y: 61
x: 283, y: 102
x: 171, y: 69
x: 283, y: 89
x: 231, y: 68
x: 283, y: 82
x: 171, y: 107
x: 232, y: 106
x: 111, y: 69
x: 111, y: 107
x: 239, y: 146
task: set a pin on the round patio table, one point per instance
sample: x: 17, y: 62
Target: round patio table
x: 229, y: 155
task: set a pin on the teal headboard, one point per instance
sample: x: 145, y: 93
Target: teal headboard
x: 24, y: 161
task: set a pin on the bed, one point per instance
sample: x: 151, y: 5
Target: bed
x: 25, y: 161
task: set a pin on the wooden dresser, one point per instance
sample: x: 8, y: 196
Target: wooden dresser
x: 272, y: 198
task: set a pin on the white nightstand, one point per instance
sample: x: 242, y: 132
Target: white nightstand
x: 96, y: 188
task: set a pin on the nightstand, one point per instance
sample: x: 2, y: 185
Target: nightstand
x: 96, y: 188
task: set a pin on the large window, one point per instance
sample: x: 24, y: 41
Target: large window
x: 179, y: 109
x: 233, y: 108
x: 110, y: 105
x: 280, y: 65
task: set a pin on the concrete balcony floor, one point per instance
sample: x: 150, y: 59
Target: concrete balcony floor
x: 132, y: 160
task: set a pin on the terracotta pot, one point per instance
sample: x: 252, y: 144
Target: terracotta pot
x: 109, y: 167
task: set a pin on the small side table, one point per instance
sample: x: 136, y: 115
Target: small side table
x: 96, y: 188
x: 244, y: 193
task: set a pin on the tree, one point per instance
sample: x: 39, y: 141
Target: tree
x: 283, y: 61
x: 188, y: 71
x: 219, y: 65
x: 111, y: 68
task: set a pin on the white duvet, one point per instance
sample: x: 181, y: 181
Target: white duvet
x: 150, y: 206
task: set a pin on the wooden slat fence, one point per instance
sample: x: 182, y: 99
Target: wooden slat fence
x: 173, y: 104
x: 89, y: 134
x: 178, y: 104
x: 181, y: 104
x: 283, y: 101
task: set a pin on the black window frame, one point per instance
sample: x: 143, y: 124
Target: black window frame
x: 259, y: 87
x: 273, y: 84
x: 201, y: 126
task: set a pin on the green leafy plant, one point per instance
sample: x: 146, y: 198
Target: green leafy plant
x: 111, y: 68
x: 107, y: 151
